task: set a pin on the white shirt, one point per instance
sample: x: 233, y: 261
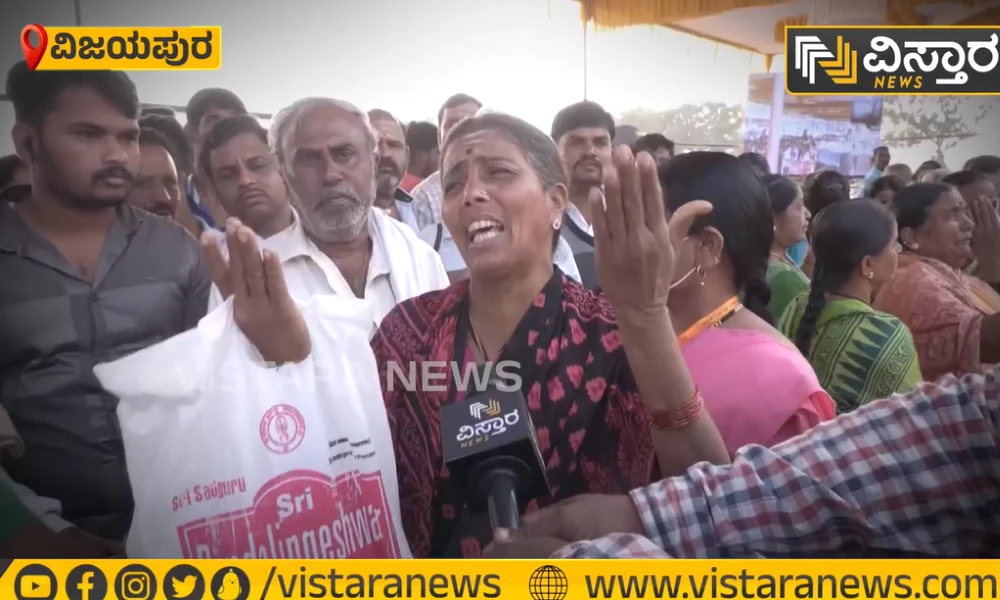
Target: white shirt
x: 308, y: 271
x: 406, y: 214
x: 453, y: 261
x: 446, y: 248
x: 577, y: 217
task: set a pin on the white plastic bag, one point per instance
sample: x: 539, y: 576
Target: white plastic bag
x: 232, y: 459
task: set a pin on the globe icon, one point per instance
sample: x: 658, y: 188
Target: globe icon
x: 548, y: 582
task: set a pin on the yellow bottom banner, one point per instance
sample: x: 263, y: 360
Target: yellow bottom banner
x: 527, y: 579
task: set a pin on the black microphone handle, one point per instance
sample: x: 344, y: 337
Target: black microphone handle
x: 502, y: 501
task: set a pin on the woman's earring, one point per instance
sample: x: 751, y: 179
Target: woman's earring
x: 701, y: 274
x: 869, y: 275
x: 557, y: 224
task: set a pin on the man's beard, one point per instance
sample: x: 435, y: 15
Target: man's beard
x: 73, y: 198
x: 386, y: 182
x: 386, y: 190
x: 338, y: 216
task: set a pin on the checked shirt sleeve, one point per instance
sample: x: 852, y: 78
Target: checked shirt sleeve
x: 618, y: 545
x: 427, y: 201
x: 911, y: 473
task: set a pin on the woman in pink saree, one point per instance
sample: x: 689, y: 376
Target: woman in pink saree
x: 954, y: 318
x: 758, y: 390
x: 757, y: 386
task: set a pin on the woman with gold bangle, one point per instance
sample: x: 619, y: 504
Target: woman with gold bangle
x: 602, y: 374
x: 757, y: 387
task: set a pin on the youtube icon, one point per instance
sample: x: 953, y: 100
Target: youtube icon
x: 35, y: 582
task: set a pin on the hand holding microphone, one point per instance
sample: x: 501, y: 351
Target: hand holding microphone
x: 514, y: 543
x: 581, y: 518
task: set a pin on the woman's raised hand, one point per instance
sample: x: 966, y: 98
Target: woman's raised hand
x: 635, y: 247
x: 986, y: 238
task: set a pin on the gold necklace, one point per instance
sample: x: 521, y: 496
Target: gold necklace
x: 712, y: 319
x: 478, y: 342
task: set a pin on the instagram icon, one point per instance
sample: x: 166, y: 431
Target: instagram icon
x: 135, y: 582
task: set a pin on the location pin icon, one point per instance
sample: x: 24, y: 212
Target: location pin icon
x: 33, y: 55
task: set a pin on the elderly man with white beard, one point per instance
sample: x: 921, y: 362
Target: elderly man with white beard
x: 328, y: 154
x: 346, y: 265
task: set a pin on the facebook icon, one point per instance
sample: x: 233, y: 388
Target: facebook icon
x: 86, y: 582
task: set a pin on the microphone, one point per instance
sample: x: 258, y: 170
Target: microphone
x: 489, y: 446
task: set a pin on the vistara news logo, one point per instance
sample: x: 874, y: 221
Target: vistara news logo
x: 811, y: 55
x: 824, y: 61
x: 124, y: 48
x: 490, y: 409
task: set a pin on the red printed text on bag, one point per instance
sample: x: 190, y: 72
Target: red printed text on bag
x: 301, y: 514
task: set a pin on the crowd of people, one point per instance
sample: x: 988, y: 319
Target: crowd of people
x: 717, y: 361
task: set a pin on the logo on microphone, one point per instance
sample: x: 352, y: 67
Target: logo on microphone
x: 489, y: 423
x: 478, y: 409
x: 494, y: 458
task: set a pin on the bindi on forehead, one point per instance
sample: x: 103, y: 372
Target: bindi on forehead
x: 477, y: 143
x: 460, y: 156
x: 481, y: 145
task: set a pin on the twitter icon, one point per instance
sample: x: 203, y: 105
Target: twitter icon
x: 184, y: 582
